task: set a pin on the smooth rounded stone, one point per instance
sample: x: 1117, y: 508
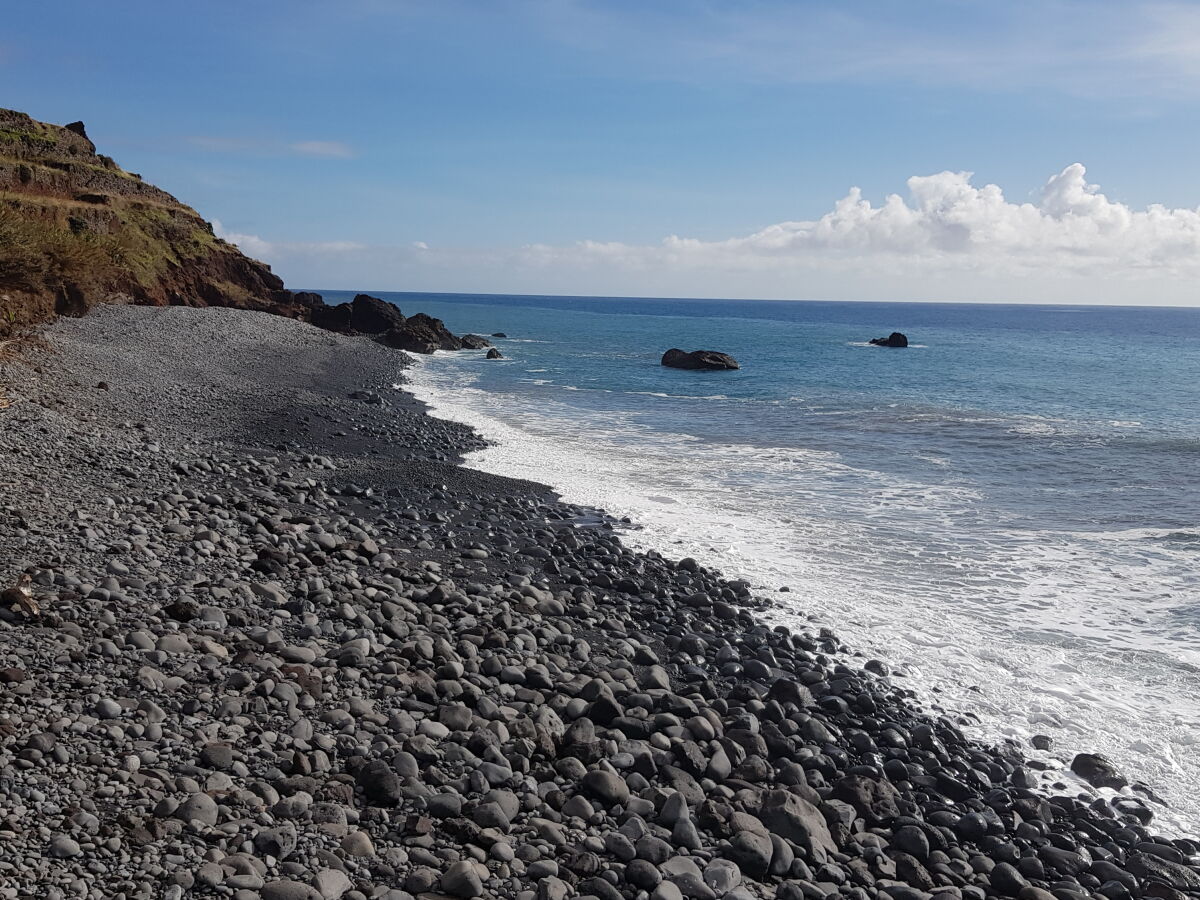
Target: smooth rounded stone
x: 667, y: 890
x: 490, y: 815
x: 358, y: 843
x: 278, y: 842
x: 217, y: 755
x: 331, y: 884
x: 911, y: 839
x: 693, y: 887
x: 578, y: 807
x: 456, y: 718
x: 445, y: 805
x: 751, y: 852
x: 288, y: 890
x: 462, y: 880
x: 1006, y: 880
x: 654, y: 850
x: 108, y: 708
x: 606, y: 786
x: 722, y: 876
x: 642, y: 874
x: 674, y: 810
x: 618, y: 845
x: 198, y: 808
x: 63, y: 847
x: 685, y: 834
x: 247, y: 881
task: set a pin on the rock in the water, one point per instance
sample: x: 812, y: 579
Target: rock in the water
x: 422, y: 334
x: 474, y: 342
x: 699, y: 359
x: 495, y: 354
x: 895, y: 339
x: 1098, y: 771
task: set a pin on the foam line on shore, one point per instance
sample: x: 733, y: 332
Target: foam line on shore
x: 1013, y: 685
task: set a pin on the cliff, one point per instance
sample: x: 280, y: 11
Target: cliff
x: 76, y: 230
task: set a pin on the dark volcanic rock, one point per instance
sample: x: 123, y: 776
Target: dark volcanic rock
x: 474, y: 342
x: 422, y: 334
x: 370, y: 315
x: 895, y: 339
x: 333, y: 318
x: 795, y: 819
x: 1098, y: 771
x: 699, y: 359
x: 495, y: 354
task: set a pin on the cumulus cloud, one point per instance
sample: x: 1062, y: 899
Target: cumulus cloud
x: 271, y: 251
x: 945, y: 223
x: 945, y: 239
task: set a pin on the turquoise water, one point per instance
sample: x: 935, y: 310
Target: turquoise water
x: 1009, y: 508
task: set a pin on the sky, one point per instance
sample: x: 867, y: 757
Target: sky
x: 947, y: 150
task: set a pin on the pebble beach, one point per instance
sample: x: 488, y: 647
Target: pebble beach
x: 262, y: 637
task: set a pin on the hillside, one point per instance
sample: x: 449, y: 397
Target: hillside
x: 76, y: 230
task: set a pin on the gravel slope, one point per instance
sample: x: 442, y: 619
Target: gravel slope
x: 275, y: 644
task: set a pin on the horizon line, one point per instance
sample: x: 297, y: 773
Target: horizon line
x: 1039, y: 303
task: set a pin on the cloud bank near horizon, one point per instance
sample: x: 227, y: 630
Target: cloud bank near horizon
x: 947, y: 235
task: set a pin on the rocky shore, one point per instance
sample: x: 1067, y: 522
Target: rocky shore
x: 276, y: 644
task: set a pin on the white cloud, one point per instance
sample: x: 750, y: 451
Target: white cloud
x: 333, y: 149
x: 270, y: 251
x: 945, y: 224
x: 264, y: 147
x: 947, y: 239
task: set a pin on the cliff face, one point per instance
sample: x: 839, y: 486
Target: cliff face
x: 77, y: 230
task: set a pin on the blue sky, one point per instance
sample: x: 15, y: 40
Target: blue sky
x: 678, y: 148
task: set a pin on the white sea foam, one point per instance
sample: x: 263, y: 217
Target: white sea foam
x: 1026, y: 633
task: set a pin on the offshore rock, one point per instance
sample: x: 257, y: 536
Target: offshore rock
x: 712, y: 360
x: 895, y: 339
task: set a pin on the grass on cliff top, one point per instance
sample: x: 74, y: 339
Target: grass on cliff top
x: 43, y: 247
x: 37, y: 255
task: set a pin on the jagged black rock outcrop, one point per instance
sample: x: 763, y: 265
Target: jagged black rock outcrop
x: 699, y: 359
x: 895, y: 339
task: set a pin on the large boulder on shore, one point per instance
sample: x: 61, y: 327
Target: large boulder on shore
x: 474, y: 342
x: 370, y: 315
x: 895, y: 339
x: 422, y: 334
x: 699, y: 359
x: 333, y: 318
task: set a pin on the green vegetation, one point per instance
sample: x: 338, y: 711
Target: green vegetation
x: 36, y: 254
x: 26, y: 137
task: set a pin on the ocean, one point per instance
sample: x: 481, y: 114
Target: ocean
x: 1007, y: 511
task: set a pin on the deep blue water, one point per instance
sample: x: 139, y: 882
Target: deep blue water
x: 1066, y: 416
x: 1017, y: 489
